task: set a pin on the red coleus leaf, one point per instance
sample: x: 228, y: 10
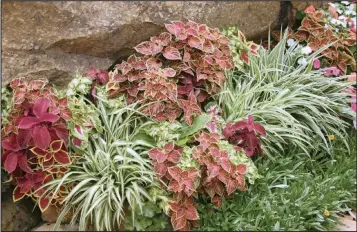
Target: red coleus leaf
x: 41, y: 137
x: 62, y: 157
x: 17, y: 194
x: 171, y: 53
x: 39, y: 152
x: 43, y: 203
x: 56, y: 145
x: 23, y: 164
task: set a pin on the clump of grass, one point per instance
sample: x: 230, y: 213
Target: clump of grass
x: 296, y: 105
x: 114, y: 175
x: 297, y: 192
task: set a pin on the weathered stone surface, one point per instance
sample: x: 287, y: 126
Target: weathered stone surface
x: 56, y: 39
x: 51, y: 214
x: 50, y: 227
x: 18, y: 216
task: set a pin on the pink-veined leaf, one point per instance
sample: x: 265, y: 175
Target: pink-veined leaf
x: 172, y: 53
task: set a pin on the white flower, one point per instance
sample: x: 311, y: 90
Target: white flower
x: 290, y: 42
x: 326, y: 26
x: 333, y: 21
x: 351, y: 7
x: 70, y: 92
x: 306, y: 50
x: 332, y: 5
x: 345, y: 3
x: 302, y: 61
x: 339, y: 10
x: 337, y: 30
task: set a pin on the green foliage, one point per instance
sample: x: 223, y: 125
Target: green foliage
x: 297, y: 106
x: 150, y: 219
x: 114, y: 174
x: 293, y: 194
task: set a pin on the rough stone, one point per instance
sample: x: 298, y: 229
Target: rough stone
x: 18, y: 216
x: 57, y: 39
x: 50, y: 227
x: 51, y: 214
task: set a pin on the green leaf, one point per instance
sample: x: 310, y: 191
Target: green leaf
x: 199, y: 123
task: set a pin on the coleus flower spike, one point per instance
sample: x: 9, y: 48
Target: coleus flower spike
x: 37, y: 125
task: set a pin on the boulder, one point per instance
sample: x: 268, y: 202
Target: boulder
x: 57, y: 39
x: 18, y: 216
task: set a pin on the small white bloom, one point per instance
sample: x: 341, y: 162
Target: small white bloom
x: 333, y: 21
x: 332, y: 5
x: 342, y: 18
x: 302, y: 61
x: 337, y: 30
x: 70, y: 92
x: 306, y: 50
x: 326, y: 26
x: 290, y: 42
x: 345, y: 3
x: 339, y: 10
x: 351, y: 7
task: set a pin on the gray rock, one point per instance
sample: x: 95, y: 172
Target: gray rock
x: 18, y: 216
x: 57, y: 39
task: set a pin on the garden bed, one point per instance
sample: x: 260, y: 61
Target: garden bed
x: 200, y: 129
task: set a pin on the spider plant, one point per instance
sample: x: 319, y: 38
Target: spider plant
x: 115, y: 174
x: 296, y: 105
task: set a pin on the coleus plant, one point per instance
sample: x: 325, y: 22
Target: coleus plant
x: 35, y: 139
x: 317, y: 31
x: 214, y: 173
x: 177, y: 71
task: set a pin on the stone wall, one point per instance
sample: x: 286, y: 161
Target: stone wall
x: 56, y: 39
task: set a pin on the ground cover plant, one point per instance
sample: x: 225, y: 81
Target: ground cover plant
x: 297, y: 192
x: 199, y: 130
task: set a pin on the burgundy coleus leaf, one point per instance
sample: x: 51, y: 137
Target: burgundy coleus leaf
x: 43, y: 203
x: 172, y: 53
x: 38, y: 125
x: 62, y: 157
x: 17, y: 194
